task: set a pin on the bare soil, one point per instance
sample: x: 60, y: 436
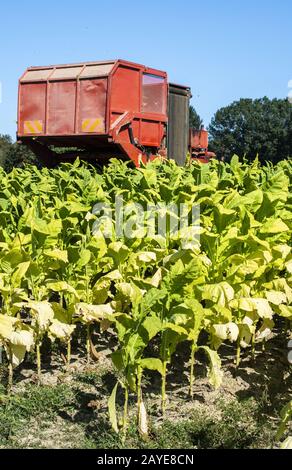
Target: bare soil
x: 266, y: 379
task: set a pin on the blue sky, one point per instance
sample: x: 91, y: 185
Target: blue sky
x: 224, y: 49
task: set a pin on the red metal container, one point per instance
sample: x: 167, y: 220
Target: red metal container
x: 114, y: 108
x: 199, y: 139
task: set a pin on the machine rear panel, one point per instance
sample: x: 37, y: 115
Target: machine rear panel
x: 178, y: 123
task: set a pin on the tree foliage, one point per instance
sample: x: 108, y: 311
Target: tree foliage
x: 249, y: 127
x: 14, y: 154
x: 195, y: 120
x: 5, y: 145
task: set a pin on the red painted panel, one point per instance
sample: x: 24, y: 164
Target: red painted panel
x: 199, y: 139
x: 32, y: 104
x: 136, y: 128
x: 123, y: 135
x: 114, y: 117
x: 92, y: 106
x: 125, y: 94
x: 150, y: 133
x: 61, y: 112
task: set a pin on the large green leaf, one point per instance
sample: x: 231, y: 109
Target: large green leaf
x: 220, y: 293
x: 274, y: 226
x: 152, y: 324
x: 152, y: 363
x: 42, y: 312
x: 91, y: 312
x: 6, y: 326
x: 19, y: 273
x: 60, y: 330
x: 62, y: 286
x: 215, y: 373
x: 61, y: 255
x: 52, y: 228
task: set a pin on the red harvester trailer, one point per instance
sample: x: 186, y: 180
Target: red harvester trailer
x: 199, y: 145
x: 103, y: 110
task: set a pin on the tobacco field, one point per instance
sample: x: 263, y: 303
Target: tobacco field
x: 172, y: 307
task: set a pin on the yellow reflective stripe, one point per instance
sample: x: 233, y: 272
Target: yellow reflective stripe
x: 33, y: 127
x: 39, y: 125
x: 94, y: 126
x: 85, y: 123
x: 30, y: 128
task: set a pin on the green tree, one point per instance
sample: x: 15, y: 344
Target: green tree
x: 194, y: 119
x: 19, y: 155
x: 14, y: 154
x: 253, y: 127
x: 5, y: 145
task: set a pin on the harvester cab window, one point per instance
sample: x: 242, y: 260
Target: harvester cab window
x: 153, y: 96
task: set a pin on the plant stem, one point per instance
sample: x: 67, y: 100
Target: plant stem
x: 68, y: 352
x: 163, y: 388
x: 88, y: 342
x: 238, y: 350
x: 125, y: 418
x: 253, y: 346
x: 10, y: 371
x: 39, y: 366
x: 192, y: 375
x: 139, y: 392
